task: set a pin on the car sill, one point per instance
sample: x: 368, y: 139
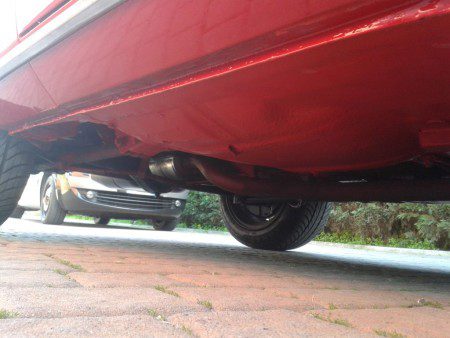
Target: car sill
x: 60, y: 27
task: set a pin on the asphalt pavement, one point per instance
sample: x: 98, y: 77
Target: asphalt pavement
x: 82, y: 280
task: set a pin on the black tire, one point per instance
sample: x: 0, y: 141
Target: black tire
x: 51, y: 211
x: 15, y: 167
x: 165, y: 225
x: 18, y: 212
x: 287, y: 226
x: 101, y: 220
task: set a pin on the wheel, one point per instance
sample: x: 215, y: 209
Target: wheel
x: 101, y: 220
x: 51, y: 211
x: 274, y: 226
x: 18, y: 212
x: 165, y: 225
x: 15, y: 167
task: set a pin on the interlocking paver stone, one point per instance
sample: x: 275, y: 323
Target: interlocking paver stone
x: 128, y: 283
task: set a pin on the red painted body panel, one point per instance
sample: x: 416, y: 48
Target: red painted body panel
x: 304, y: 86
x: 22, y: 96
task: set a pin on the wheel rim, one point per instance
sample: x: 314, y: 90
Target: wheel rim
x: 46, y: 198
x: 254, y: 218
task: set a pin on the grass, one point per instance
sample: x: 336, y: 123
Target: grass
x: 5, y: 314
x: 166, y: 290
x: 113, y: 220
x: 202, y: 227
x: 60, y: 272
x: 66, y: 263
x: 436, y: 305
x: 340, y: 321
x: 390, y: 334
x: 337, y: 321
x: 331, y: 306
x: 205, y: 303
x: 156, y: 314
x: 423, y: 303
x: 69, y: 264
x: 187, y: 330
x: 346, y: 238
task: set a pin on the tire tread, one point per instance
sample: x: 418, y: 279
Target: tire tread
x: 15, y: 166
x: 298, y: 227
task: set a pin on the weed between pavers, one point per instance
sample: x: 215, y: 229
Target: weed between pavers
x: 60, y: 272
x: 66, y: 263
x: 5, y: 314
x: 338, y: 321
x: 166, y: 290
x: 390, y: 334
x: 187, y: 330
x: 156, y: 314
x: 422, y: 302
x: 69, y: 264
x: 205, y: 303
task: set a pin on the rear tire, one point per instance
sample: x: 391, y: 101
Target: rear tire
x: 102, y: 220
x: 277, y: 226
x: 15, y: 167
x: 165, y: 225
x: 51, y: 211
x: 18, y: 212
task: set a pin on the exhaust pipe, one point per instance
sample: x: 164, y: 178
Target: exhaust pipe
x: 383, y: 191
x: 186, y: 168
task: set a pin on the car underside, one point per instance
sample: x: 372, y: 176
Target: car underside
x: 423, y: 178
x: 276, y: 108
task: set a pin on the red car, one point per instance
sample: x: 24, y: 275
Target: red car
x: 279, y: 106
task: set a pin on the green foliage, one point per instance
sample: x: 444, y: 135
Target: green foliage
x: 5, y: 314
x: 393, y: 224
x: 391, y: 242
x: 202, y: 211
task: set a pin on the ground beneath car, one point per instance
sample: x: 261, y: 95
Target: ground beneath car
x: 80, y: 280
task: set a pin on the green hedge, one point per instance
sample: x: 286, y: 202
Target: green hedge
x: 396, y: 224
x: 202, y: 211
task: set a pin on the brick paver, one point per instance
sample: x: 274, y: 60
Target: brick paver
x: 57, y: 285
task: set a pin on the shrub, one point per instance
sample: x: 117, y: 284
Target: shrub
x: 428, y: 223
x: 202, y: 211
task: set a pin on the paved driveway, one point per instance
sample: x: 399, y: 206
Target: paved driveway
x: 77, y: 280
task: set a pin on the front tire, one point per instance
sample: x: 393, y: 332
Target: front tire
x: 102, y: 220
x: 274, y: 226
x: 51, y: 211
x: 18, y: 212
x: 165, y: 225
x: 15, y: 167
